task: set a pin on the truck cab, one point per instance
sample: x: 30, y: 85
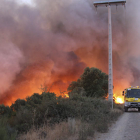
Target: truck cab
x: 131, y: 98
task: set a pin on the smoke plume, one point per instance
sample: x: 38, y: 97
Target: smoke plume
x: 52, y: 42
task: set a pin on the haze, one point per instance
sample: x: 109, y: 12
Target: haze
x: 54, y: 41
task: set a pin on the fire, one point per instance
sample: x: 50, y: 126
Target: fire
x: 66, y: 95
x: 119, y: 100
x: 48, y: 47
x: 117, y: 95
x: 119, y: 86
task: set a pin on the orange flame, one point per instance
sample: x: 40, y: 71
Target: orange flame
x: 119, y: 100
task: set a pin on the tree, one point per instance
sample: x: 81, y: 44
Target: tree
x: 74, y: 84
x: 17, y: 105
x: 5, y: 110
x: 94, y: 82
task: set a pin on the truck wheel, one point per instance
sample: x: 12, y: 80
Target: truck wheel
x: 139, y: 109
x: 125, y: 109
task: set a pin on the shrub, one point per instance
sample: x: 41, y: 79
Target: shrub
x: 6, y: 132
x: 94, y: 113
x: 5, y: 110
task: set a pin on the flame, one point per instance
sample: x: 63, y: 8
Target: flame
x: 55, y: 51
x: 119, y: 100
x: 66, y: 95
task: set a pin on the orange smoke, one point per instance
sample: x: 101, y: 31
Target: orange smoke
x: 29, y: 81
x: 35, y: 77
x: 53, y: 47
x: 99, y: 58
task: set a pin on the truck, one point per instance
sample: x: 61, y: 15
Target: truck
x: 131, y: 98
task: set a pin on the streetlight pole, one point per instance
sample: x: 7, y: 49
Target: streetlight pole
x: 110, y: 65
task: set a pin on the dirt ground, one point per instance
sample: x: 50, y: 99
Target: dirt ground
x: 126, y: 128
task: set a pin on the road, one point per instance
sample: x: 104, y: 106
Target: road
x: 126, y: 128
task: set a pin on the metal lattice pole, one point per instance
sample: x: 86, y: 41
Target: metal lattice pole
x: 110, y: 64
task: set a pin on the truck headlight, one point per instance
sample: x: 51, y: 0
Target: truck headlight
x: 126, y: 103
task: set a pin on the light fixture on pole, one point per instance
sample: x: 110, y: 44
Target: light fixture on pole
x: 110, y: 71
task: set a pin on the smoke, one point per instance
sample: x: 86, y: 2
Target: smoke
x: 10, y: 64
x: 52, y: 42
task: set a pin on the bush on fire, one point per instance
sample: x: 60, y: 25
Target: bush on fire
x: 46, y: 108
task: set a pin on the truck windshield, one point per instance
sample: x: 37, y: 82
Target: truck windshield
x: 133, y: 93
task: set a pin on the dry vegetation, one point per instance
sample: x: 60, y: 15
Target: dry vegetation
x: 62, y: 131
x: 47, y: 117
x: 73, y: 129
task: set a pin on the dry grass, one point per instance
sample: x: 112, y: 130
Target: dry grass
x: 62, y: 131
x: 94, y: 119
x: 71, y: 130
x: 116, y: 110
